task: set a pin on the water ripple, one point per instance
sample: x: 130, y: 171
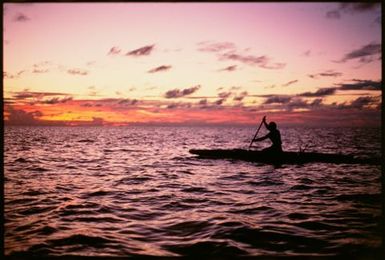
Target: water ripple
x: 113, y: 191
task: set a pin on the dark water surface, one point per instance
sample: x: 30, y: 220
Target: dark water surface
x: 122, y: 191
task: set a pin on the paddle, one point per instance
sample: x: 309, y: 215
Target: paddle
x: 256, y: 134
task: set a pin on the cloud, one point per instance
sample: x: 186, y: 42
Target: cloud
x: 97, y: 121
x: 79, y: 72
x: 160, y: 68
x: 56, y: 100
x: 260, y: 61
x: 25, y: 94
x: 224, y: 95
x: 127, y: 101
x: 241, y: 96
x: 352, y: 8
x: 114, y: 51
x: 229, y: 68
x: 319, y: 93
x: 362, y: 102
x: 143, y: 51
x: 7, y: 75
x: 364, y: 54
x: 21, y: 117
x: 215, y: 47
x: 21, y: 18
x: 362, y: 85
x: 328, y: 73
x: 306, y: 53
x: 176, y: 93
x: 289, y: 83
x: 334, y: 14
x: 281, y: 99
x: 40, y: 70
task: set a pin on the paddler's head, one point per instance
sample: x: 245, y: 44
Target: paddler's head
x: 272, y: 126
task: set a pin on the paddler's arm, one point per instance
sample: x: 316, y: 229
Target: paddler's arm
x: 264, y: 121
x: 261, y: 138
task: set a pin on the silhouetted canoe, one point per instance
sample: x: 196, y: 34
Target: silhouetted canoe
x: 282, y: 158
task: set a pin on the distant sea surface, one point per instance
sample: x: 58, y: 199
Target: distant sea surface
x: 130, y: 191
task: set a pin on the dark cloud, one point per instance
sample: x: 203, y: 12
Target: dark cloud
x: 362, y: 102
x: 352, y: 8
x: 160, y: 68
x: 128, y: 101
x: 334, y: 14
x: 359, y: 7
x: 97, y: 121
x: 328, y: 73
x: 21, y: 95
x: 260, y: 61
x: 21, y: 117
x: 56, y: 100
x: 143, y: 51
x: 215, y: 47
x: 114, y: 51
x: 7, y: 75
x: 21, y: 18
x: 229, y: 68
x: 364, y: 54
x: 241, y: 96
x: 177, y: 93
x: 319, y: 93
x: 220, y: 101
x: 179, y: 105
x: 307, y: 53
x: 277, y: 99
x: 203, y: 102
x: 362, y: 85
x: 289, y: 83
x: 40, y: 70
x: 224, y: 95
x: 79, y: 72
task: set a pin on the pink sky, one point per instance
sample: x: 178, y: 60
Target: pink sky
x: 121, y: 63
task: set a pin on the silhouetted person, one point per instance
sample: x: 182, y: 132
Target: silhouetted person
x: 274, y: 135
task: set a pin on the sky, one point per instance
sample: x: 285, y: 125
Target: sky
x: 300, y: 64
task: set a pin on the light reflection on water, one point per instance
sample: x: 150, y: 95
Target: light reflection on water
x: 137, y: 191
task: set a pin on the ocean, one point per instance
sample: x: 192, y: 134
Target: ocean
x: 136, y: 191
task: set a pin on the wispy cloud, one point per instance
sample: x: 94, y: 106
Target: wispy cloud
x: 160, y: 68
x: 79, y: 72
x: 40, y: 70
x: 114, y: 51
x: 241, y: 96
x: 352, y: 8
x: 21, y: 18
x: 328, y: 73
x: 21, y: 117
x: 215, y: 46
x: 281, y: 99
x: 7, y: 75
x: 229, y: 68
x: 290, y: 83
x: 333, y: 14
x: 364, y: 54
x: 362, y: 85
x: 224, y: 95
x: 260, y: 61
x: 56, y: 100
x: 319, y: 93
x: 143, y: 51
x: 177, y: 93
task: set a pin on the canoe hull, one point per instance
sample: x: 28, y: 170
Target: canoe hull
x: 280, y: 158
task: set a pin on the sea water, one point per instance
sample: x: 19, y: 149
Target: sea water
x: 129, y: 191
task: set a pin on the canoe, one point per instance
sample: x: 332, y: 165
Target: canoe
x: 283, y: 157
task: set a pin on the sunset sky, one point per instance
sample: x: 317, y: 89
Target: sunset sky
x: 305, y: 64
